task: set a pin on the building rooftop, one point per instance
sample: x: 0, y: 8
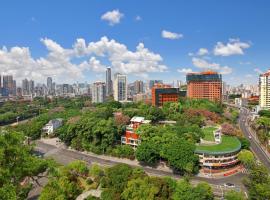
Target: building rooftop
x: 139, y: 120
x: 229, y: 144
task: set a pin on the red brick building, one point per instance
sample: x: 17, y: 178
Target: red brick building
x: 204, y: 85
x: 131, y: 137
x: 162, y: 93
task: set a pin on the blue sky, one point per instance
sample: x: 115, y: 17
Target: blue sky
x: 233, y: 35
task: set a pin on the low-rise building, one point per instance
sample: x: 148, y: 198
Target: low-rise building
x: 218, y: 153
x: 51, y: 126
x: 131, y: 137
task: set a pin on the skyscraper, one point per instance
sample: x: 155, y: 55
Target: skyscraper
x: 109, y: 84
x: 98, y: 92
x: 8, y: 84
x: 31, y: 87
x: 25, y: 87
x: 264, y: 90
x: 120, y: 87
x: 49, y: 85
x: 138, y: 87
x: 204, y: 85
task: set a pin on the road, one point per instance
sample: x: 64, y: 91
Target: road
x: 65, y: 156
x: 254, y: 144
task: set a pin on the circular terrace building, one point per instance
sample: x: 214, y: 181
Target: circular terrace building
x: 217, y: 153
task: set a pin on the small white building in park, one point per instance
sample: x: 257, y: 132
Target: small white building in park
x: 52, y: 125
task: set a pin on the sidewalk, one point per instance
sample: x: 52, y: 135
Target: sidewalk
x: 55, y: 142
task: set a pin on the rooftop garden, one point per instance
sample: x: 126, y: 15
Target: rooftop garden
x: 208, y: 133
x: 228, y: 144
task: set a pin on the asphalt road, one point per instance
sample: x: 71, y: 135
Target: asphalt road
x: 254, y: 144
x: 65, y: 156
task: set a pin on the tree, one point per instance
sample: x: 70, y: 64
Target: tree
x: 228, y: 129
x: 180, y: 155
x: 154, y: 113
x: 245, y: 143
x: 117, y: 177
x: 148, y: 152
x: 64, y: 184
x: 17, y: 166
x: 203, y: 191
x: 234, y: 195
x: 258, y: 183
x: 247, y: 158
x: 140, y: 189
x: 184, y: 191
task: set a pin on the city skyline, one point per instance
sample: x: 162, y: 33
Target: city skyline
x: 166, y: 50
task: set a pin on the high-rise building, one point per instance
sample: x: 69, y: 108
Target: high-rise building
x: 8, y: 84
x: 98, y: 92
x: 25, y: 87
x: 204, y: 85
x: 162, y: 93
x: 109, y: 84
x: 49, y: 85
x: 120, y: 87
x: 138, y: 87
x: 264, y: 90
x: 31, y: 87
x: 153, y: 82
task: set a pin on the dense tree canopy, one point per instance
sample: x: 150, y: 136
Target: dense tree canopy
x: 17, y: 166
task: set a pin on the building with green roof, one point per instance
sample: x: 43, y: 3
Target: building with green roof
x: 217, y: 152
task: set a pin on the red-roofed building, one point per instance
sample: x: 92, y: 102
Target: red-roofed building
x: 131, y: 137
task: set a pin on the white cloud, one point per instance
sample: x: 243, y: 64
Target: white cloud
x: 184, y: 70
x: 138, y: 18
x: 202, y: 52
x: 233, y: 47
x: 68, y: 65
x: 171, y: 35
x: 203, y: 64
x: 113, y: 17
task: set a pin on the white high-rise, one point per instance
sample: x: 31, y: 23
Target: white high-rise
x: 98, y: 92
x: 264, y: 87
x: 120, y: 87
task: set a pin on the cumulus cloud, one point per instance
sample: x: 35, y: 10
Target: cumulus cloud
x: 203, y: 64
x: 171, y: 35
x: 202, y: 52
x: 233, y: 47
x: 184, y: 70
x: 71, y: 64
x: 113, y: 17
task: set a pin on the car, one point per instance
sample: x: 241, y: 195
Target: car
x: 229, y: 185
x: 249, y: 137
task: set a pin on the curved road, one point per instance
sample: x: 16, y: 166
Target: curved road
x: 254, y: 143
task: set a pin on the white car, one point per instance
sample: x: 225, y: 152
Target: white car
x: 249, y: 137
x: 229, y: 185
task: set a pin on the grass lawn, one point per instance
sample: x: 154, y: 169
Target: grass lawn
x: 208, y: 133
x: 228, y: 144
